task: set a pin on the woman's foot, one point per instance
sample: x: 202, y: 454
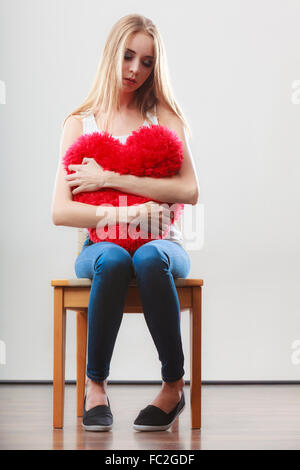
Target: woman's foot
x: 95, y: 394
x: 169, y: 395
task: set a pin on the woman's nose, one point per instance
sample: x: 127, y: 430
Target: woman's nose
x: 134, y: 66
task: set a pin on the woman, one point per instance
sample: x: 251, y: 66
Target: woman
x: 133, y: 50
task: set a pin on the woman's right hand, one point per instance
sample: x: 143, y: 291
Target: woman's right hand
x: 154, y: 218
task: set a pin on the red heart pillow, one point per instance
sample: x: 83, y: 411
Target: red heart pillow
x: 154, y: 151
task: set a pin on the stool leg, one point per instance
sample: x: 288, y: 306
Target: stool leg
x: 195, y: 358
x: 81, y: 343
x: 59, y: 358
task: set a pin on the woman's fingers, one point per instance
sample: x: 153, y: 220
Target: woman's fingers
x: 159, y: 224
x: 154, y: 218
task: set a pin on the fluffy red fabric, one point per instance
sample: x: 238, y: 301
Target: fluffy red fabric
x: 154, y: 151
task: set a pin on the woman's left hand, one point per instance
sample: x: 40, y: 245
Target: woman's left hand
x: 89, y: 176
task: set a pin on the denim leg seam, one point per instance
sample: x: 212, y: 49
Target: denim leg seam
x: 96, y: 379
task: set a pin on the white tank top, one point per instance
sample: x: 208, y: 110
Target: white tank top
x: 89, y: 125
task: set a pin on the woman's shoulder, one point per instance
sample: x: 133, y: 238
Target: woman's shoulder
x: 165, y: 114
x: 84, y: 115
x: 81, y: 119
x: 72, y: 121
x: 74, y: 118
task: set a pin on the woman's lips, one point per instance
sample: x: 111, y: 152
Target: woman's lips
x: 130, y: 82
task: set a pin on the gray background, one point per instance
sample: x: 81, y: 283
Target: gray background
x: 233, y: 66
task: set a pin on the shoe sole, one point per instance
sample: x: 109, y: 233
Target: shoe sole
x: 97, y: 427
x: 144, y: 427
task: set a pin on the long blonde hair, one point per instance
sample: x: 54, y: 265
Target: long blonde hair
x: 103, y: 97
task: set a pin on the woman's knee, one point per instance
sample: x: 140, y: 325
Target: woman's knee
x: 149, y: 257
x: 81, y: 270
x: 113, y: 258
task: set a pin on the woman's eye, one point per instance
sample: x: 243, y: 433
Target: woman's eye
x: 147, y: 64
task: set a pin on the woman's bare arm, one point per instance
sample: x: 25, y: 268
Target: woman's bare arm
x: 64, y: 210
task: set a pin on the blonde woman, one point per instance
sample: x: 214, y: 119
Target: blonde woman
x: 130, y: 90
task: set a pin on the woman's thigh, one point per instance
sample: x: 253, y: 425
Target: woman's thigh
x: 173, y: 253
x: 87, y: 258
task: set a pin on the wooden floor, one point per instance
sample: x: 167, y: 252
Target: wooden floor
x: 233, y: 416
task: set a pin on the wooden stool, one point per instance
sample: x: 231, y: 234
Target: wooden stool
x: 73, y: 294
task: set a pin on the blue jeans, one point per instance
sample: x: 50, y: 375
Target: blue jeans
x: 110, y: 267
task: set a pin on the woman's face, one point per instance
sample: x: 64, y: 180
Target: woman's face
x: 138, y: 60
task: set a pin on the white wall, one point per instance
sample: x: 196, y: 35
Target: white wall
x: 232, y: 66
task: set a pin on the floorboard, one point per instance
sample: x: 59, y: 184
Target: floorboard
x: 233, y: 417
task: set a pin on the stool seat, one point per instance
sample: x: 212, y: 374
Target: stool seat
x: 85, y: 282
